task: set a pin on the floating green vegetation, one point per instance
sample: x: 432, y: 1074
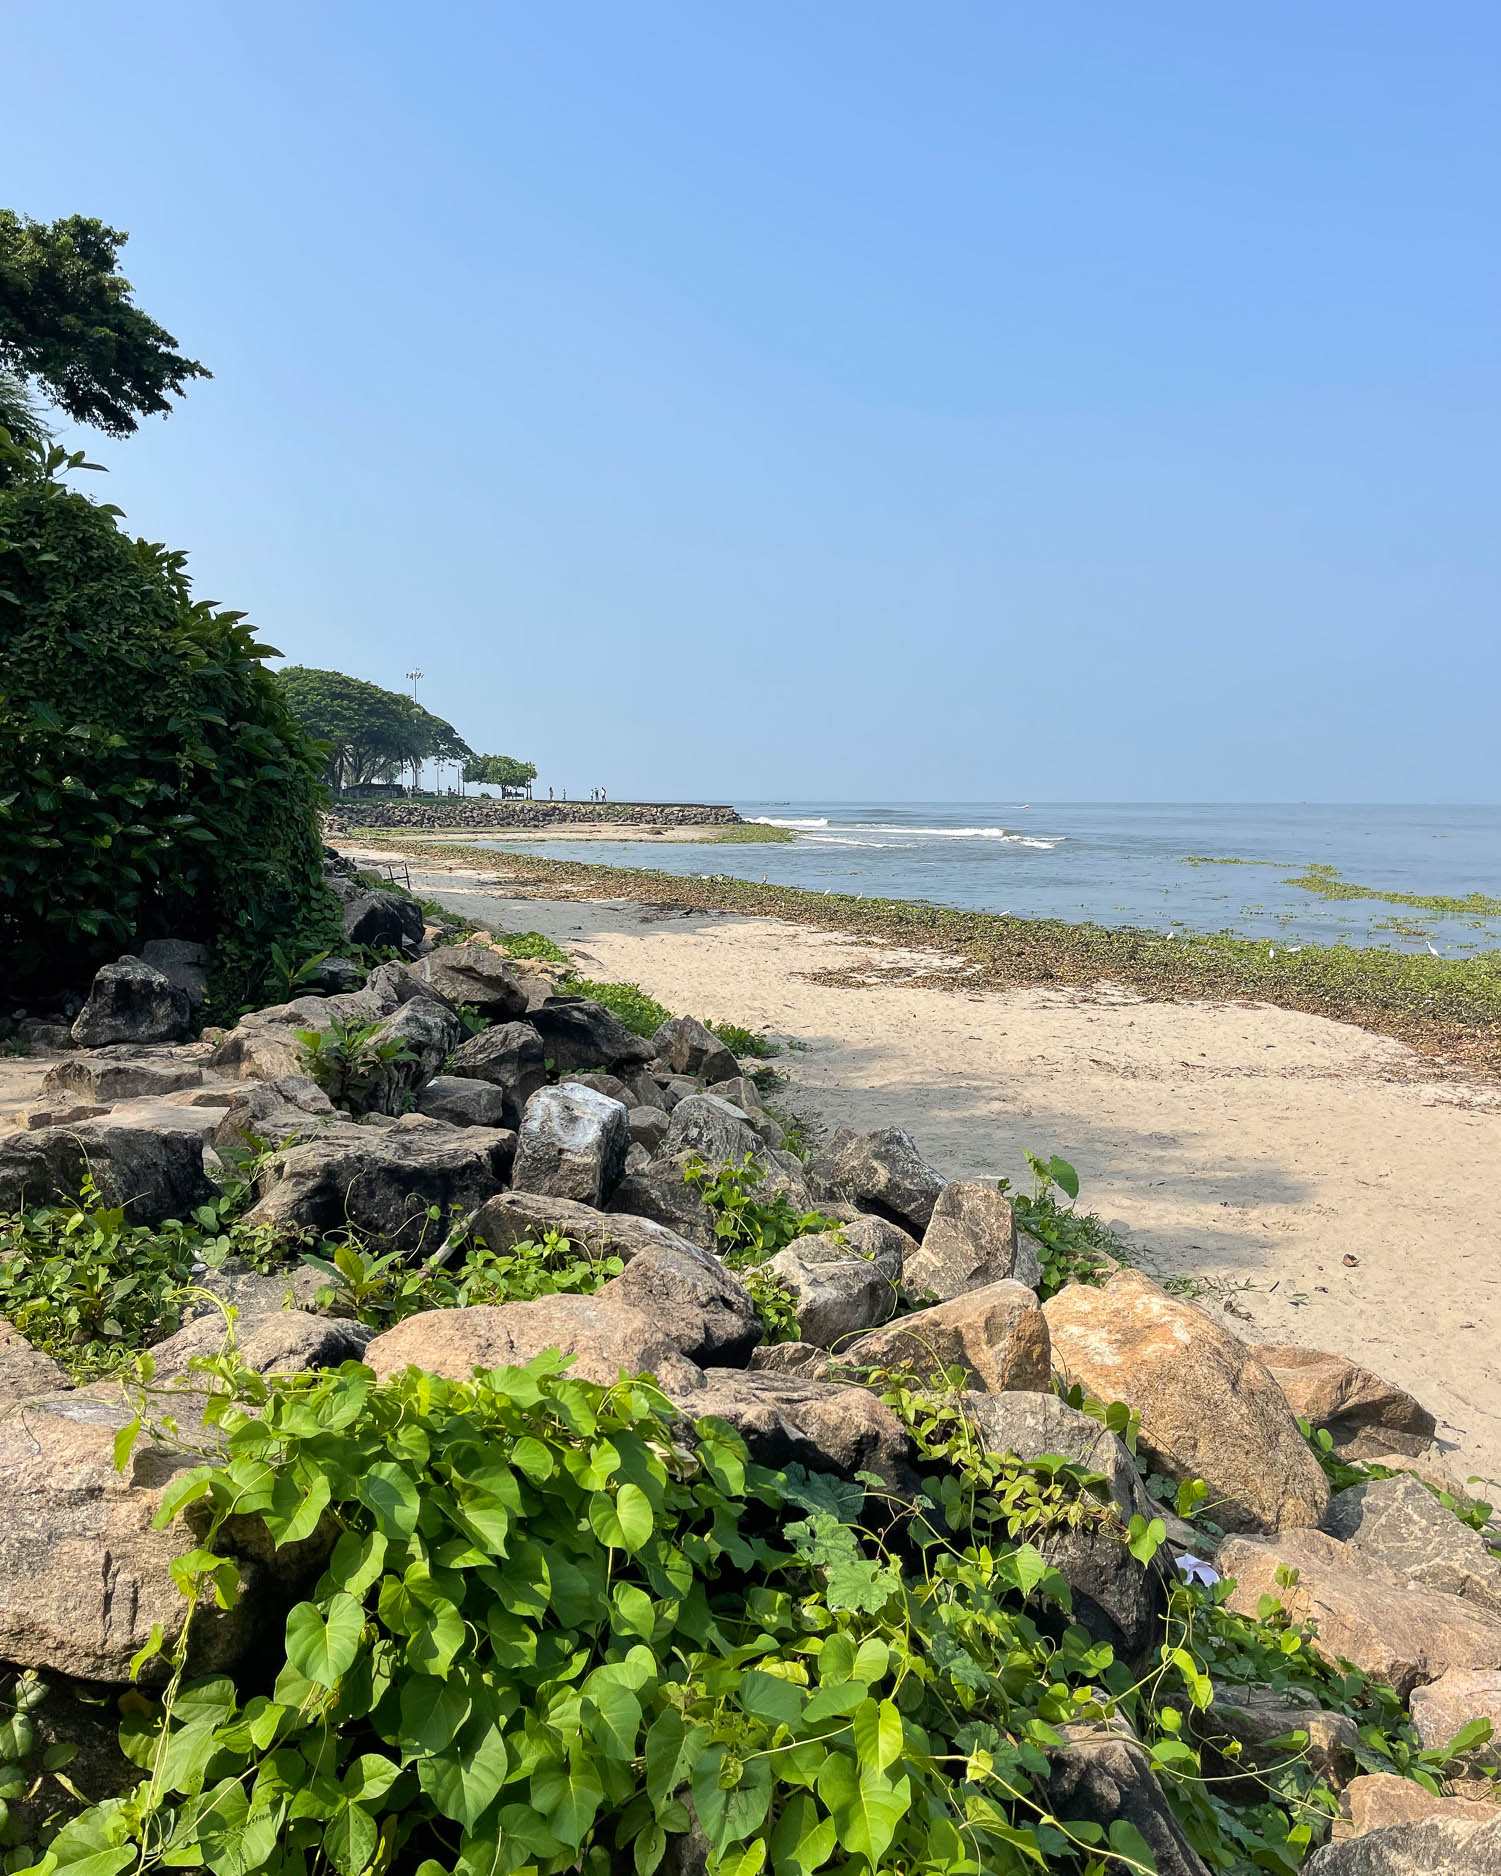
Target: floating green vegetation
x: 1327, y: 883
x: 1211, y: 859
x: 744, y: 833
x: 1448, y: 1006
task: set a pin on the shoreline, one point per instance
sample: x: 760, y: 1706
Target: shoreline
x: 1279, y: 1165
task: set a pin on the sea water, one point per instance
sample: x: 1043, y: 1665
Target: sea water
x: 1165, y: 867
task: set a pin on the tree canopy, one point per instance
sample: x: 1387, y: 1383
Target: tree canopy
x: 68, y: 322
x: 374, y: 733
x: 504, y: 772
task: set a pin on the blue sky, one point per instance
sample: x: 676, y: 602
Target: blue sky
x: 960, y: 402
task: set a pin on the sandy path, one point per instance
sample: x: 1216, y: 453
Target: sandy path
x: 1248, y: 1145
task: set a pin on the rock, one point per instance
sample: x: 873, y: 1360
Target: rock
x: 578, y: 1033
x: 83, y: 1576
x: 130, y: 1002
x: 1362, y: 1413
x: 1100, y: 1774
x: 1377, y: 1800
x: 381, y: 919
x: 1446, y: 1706
x: 1400, y: 1524
x: 285, y: 1341
x: 1436, y: 1846
x: 611, y: 1085
x: 998, y: 1336
x: 785, y: 1420
x: 182, y: 963
x: 970, y: 1241
x: 510, y: 1057
x: 263, y: 1045
x: 677, y: 1088
x: 740, y: 1091
x: 839, y: 1293
x: 25, y: 1370
x: 154, y: 1175
x: 688, y: 1048
x: 820, y: 1165
x: 383, y: 1179
x: 660, y: 1192
x: 572, y: 1144
x: 40, y: 1117
x: 429, y: 1031
x: 1119, y: 1600
x: 800, y: 1358
x: 336, y: 976
x: 711, y: 1128
x: 1253, y: 1716
x: 118, y: 1073
x: 884, y: 1172
x: 648, y: 1127
x: 644, y: 1321
x: 1208, y: 1408
x: 1371, y: 1616
x: 476, y: 974
x: 463, y: 1102
x: 273, y: 1113
x: 520, y: 1217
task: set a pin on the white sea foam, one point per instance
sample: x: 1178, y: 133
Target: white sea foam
x: 770, y: 820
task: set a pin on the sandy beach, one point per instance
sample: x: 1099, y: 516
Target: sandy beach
x: 1318, y: 1181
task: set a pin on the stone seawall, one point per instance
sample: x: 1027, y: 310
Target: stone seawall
x: 478, y: 813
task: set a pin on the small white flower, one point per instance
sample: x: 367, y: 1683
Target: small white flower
x: 1196, y: 1570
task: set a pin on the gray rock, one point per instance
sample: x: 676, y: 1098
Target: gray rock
x: 786, y: 1420
x: 383, y: 1179
x: 884, y: 1172
x: 520, y: 1217
x: 476, y: 974
x: 285, y: 1341
x: 611, y: 1085
x: 183, y: 963
x: 336, y: 976
x: 1433, y: 1846
x: 572, y: 1144
x: 383, y: 919
x: 712, y: 1318
x: 688, y: 1048
x: 154, y: 1175
x: 1252, y: 1717
x: 660, y: 1192
x: 676, y: 1088
x: 429, y: 1031
x: 800, y: 1358
x: 637, y: 1158
x: 648, y: 1127
x: 743, y: 1093
x: 1399, y: 1524
x: 119, y: 1072
x: 273, y: 1113
x: 578, y: 1033
x: 998, y: 1336
x: 1102, y: 1774
x: 839, y: 1293
x: 25, y: 1370
x: 1446, y: 1706
x: 717, y: 1132
x: 819, y: 1170
x: 263, y: 1045
x: 463, y: 1102
x: 130, y: 1002
x: 510, y: 1057
x: 970, y: 1241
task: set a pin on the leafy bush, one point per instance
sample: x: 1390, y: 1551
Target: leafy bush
x: 530, y: 944
x: 1073, y: 1246
x: 641, y: 1014
x: 384, y: 1288
x: 152, y: 779
x: 741, y: 1041
x: 750, y: 1229
x: 354, y: 1063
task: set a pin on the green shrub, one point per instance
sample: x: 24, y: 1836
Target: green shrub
x: 641, y: 1014
x: 152, y: 780
x: 750, y: 1229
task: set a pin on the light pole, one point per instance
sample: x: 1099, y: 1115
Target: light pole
x: 413, y: 676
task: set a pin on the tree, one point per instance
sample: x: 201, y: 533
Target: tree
x: 374, y: 734
x: 67, y: 320
x: 504, y: 772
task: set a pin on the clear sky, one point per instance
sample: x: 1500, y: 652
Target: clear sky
x: 959, y: 401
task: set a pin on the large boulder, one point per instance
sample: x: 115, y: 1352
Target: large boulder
x: 129, y: 1001
x: 273, y: 1113
x: 264, y: 1044
x: 181, y: 962
x: 1209, y: 1410
x: 382, y: 1180
x: 463, y: 1102
x: 688, y: 1048
x: 648, y: 1127
x: 383, y: 920
x: 84, y: 1577
x: 526, y: 1218
x: 572, y: 1144
x: 998, y: 1338
x: 1365, y: 1613
x: 428, y: 1030
x: 1119, y: 1600
x: 1442, y: 1708
x: 1434, y: 1846
x: 578, y: 1033
x: 1378, y: 1800
x: 884, y: 1172
x: 511, y: 1058
x: 717, y: 1132
x: 284, y: 1341
x: 1101, y: 1773
x: 154, y: 1174
x: 971, y: 1240
x: 1400, y: 1524
x: 661, y: 1321
x: 476, y: 974
x: 660, y: 1191
x: 787, y: 1420
x: 1364, y: 1415
x: 839, y: 1293
x: 119, y: 1072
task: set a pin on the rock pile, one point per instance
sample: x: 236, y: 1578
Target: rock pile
x: 483, y: 811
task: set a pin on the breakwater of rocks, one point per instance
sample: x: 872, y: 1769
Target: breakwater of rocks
x: 478, y: 813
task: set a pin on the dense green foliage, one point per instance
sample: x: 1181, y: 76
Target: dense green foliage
x: 152, y: 780
x: 67, y: 321
x: 748, y: 834
x: 506, y: 773
x: 373, y: 734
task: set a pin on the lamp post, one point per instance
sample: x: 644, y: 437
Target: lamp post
x: 413, y: 677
